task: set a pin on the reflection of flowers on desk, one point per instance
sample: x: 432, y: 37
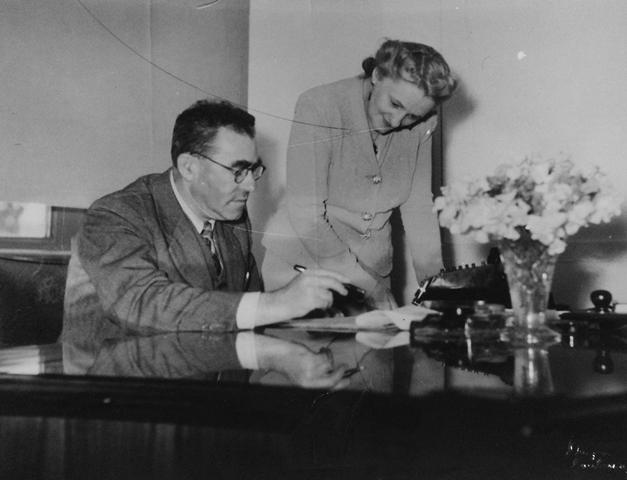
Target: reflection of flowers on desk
x: 548, y: 197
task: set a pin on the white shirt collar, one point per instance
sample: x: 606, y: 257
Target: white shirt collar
x: 198, y: 222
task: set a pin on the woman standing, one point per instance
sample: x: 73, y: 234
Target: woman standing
x: 360, y: 148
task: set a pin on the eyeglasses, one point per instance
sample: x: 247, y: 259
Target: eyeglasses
x: 240, y: 174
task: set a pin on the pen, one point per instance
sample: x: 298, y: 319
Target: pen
x: 352, y: 371
x: 359, y: 294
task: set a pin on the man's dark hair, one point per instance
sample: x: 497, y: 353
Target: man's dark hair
x: 195, y: 128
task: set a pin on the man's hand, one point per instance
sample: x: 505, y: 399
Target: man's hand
x: 314, y: 370
x: 310, y: 290
x: 299, y: 364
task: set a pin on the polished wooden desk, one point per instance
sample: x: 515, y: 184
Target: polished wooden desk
x: 181, y: 405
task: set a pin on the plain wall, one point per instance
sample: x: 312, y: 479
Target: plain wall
x: 91, y: 89
x: 90, y: 92
x: 535, y: 77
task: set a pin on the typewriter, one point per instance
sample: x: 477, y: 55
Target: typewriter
x: 462, y: 286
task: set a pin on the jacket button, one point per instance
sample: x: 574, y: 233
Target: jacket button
x: 376, y: 179
x: 366, y: 235
x: 366, y: 216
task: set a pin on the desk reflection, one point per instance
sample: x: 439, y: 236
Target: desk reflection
x: 381, y: 362
x: 281, y: 395
x: 210, y: 357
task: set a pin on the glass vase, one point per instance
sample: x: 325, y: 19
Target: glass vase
x: 529, y: 269
x: 532, y: 371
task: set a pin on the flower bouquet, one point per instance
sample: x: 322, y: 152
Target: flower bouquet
x: 529, y: 209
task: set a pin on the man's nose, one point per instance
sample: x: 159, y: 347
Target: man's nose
x: 248, y: 183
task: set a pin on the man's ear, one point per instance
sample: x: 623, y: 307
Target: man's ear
x: 187, y: 166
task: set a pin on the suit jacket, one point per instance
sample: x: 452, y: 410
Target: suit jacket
x: 170, y: 355
x: 139, y: 265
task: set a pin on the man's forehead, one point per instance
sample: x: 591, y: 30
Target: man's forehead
x: 237, y: 146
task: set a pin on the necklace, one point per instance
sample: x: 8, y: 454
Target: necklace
x: 374, y: 135
x: 374, y: 143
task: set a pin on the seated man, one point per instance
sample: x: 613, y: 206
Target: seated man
x: 172, y: 251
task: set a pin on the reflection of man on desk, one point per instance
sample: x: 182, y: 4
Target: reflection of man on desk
x: 228, y: 357
x: 145, y: 260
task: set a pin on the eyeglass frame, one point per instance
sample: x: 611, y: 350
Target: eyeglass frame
x: 238, y: 172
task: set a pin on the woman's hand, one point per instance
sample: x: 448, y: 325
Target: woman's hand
x: 382, y: 298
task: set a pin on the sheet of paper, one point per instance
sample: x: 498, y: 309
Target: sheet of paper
x: 399, y: 318
x: 377, y: 320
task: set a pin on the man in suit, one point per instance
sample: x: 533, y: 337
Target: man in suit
x: 144, y: 261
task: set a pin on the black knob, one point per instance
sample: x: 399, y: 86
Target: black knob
x: 601, y: 299
x: 603, y: 363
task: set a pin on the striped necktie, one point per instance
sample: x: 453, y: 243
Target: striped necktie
x: 207, y: 234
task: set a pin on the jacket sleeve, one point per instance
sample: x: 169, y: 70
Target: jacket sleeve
x: 309, y: 155
x: 420, y: 223
x: 136, y: 286
x: 170, y: 355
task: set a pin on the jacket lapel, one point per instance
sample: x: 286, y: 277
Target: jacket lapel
x: 188, y: 252
x: 231, y: 254
x: 358, y: 120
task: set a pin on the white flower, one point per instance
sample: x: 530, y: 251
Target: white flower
x: 557, y: 247
x: 549, y: 198
x: 546, y: 228
x: 606, y: 206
